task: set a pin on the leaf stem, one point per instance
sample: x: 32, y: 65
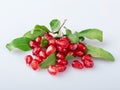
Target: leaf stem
x: 60, y: 27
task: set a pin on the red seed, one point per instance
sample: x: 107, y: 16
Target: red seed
x: 88, y: 63
x: 62, y: 50
x: 62, y: 43
x: 77, y: 64
x: 50, y: 49
x: 36, y: 50
x: 72, y: 46
x: 78, y: 53
x: 81, y: 47
x: 60, y: 68
x: 39, y: 59
x: 60, y: 55
x: 33, y: 44
x: 38, y: 39
x: 28, y: 59
x: 52, y: 70
x: 52, y: 42
x: 87, y: 57
x: 34, y: 65
x: 65, y: 39
x: 62, y: 62
x: 48, y: 36
x: 43, y: 54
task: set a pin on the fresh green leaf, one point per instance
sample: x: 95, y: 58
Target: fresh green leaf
x: 42, y: 27
x: 99, y: 53
x: 92, y: 34
x: 68, y: 57
x: 68, y: 32
x: 55, y: 25
x: 73, y: 38
x: 44, y: 42
x: 34, y: 33
x: 21, y: 43
x: 50, y: 60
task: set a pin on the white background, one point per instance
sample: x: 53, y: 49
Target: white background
x: 19, y: 16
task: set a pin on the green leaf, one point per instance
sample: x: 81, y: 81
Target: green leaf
x: 50, y: 60
x: 73, y: 38
x: 42, y: 27
x: 99, y: 53
x: 21, y: 43
x: 34, y: 33
x: 68, y: 32
x: 68, y: 57
x: 92, y: 34
x: 55, y: 25
x: 44, y: 42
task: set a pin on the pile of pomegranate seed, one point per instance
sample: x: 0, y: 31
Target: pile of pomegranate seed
x: 62, y: 46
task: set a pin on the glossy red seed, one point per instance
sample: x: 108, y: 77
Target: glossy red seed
x: 71, y: 53
x: 36, y: 50
x: 52, y: 42
x: 77, y: 64
x: 72, y: 46
x: 62, y: 62
x: 62, y: 43
x: 81, y: 47
x: 28, y: 59
x: 52, y: 70
x: 61, y: 68
x: 87, y: 57
x: 34, y: 65
x: 51, y: 49
x: 48, y: 36
x: 38, y: 39
x: 33, y: 44
x: 78, y: 53
x: 60, y: 55
x: 88, y: 63
x: 62, y: 50
x: 39, y: 59
x: 65, y: 39
x: 43, y: 54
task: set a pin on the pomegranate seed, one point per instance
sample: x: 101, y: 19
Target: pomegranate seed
x: 78, y: 53
x: 62, y: 62
x: 60, y: 55
x: 61, y: 68
x: 77, y: 64
x: 65, y: 39
x: 62, y: 43
x: 34, y: 65
x: 50, y: 49
x: 42, y: 54
x: 48, y: 36
x: 63, y: 50
x: 52, y: 41
x: 71, y: 53
x: 28, y: 59
x: 52, y: 70
x: 81, y: 47
x: 88, y: 63
x: 87, y: 57
x: 39, y: 59
x: 33, y: 44
x: 72, y: 46
x: 38, y: 39
x: 36, y: 50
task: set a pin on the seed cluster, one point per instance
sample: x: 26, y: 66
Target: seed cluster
x: 62, y: 47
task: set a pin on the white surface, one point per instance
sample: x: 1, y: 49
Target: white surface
x: 18, y: 16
